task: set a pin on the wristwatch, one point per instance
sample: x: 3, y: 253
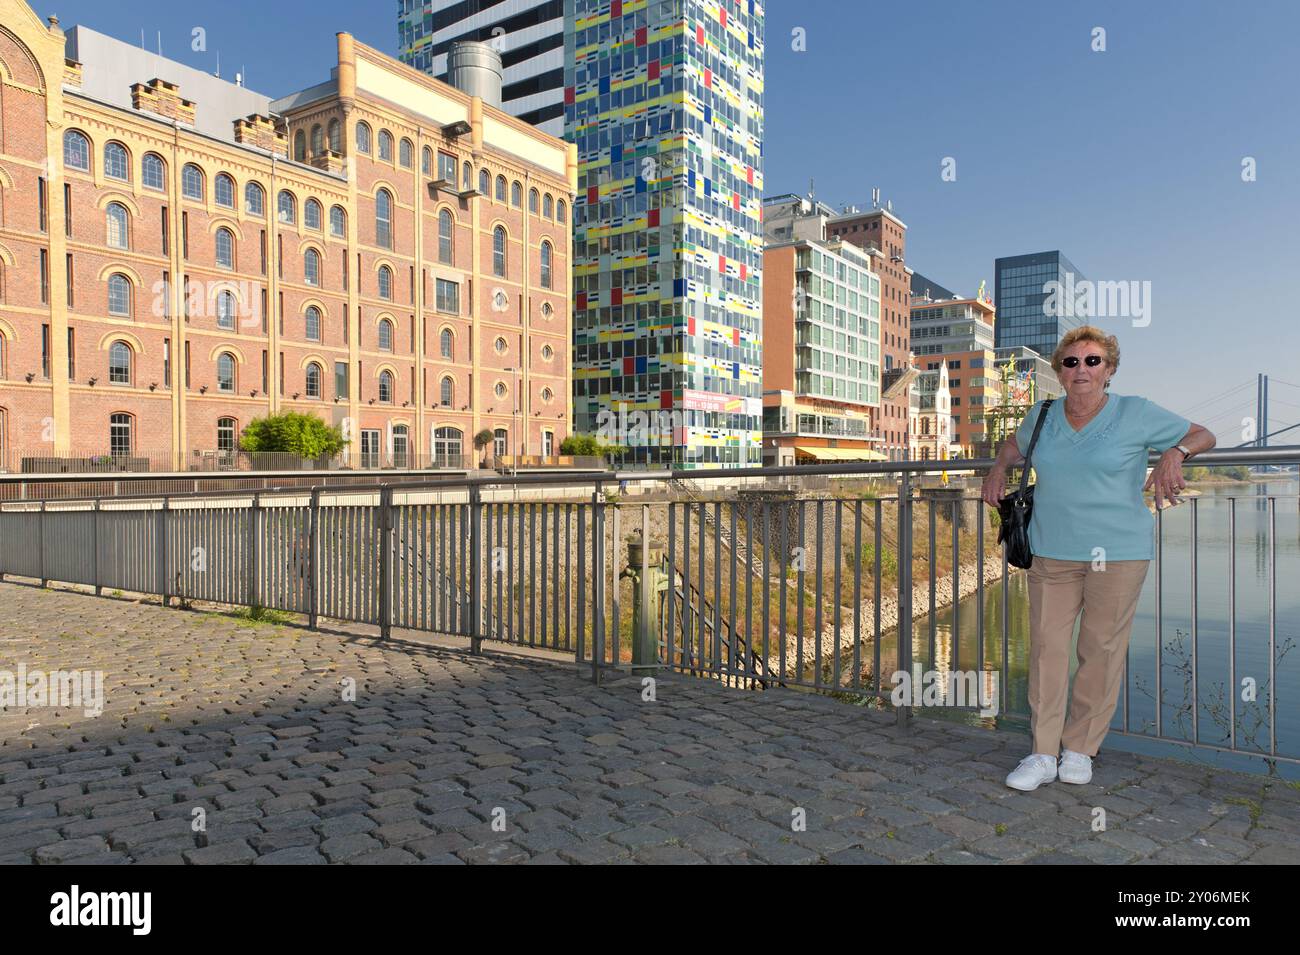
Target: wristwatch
x: 1186, y: 453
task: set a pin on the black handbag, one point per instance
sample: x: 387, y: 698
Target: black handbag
x: 1016, y: 508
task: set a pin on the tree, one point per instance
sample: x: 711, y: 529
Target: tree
x: 483, y: 439
x: 290, y: 432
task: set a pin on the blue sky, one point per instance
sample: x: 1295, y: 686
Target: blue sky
x: 1128, y: 160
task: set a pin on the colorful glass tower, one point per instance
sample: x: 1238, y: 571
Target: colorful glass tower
x: 664, y: 99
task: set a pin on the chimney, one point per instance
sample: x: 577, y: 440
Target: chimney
x: 262, y: 132
x: 159, y: 96
x: 475, y: 68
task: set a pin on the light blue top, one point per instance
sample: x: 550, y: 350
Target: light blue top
x: 1088, y: 491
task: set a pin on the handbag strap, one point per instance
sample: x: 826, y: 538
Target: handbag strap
x: 1042, y: 415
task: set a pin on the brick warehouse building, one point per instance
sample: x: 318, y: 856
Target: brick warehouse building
x: 381, y: 249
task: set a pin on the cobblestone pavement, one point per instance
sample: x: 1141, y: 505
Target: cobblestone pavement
x: 247, y: 723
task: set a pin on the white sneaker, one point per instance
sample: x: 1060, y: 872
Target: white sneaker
x: 1075, y: 767
x: 1034, y: 770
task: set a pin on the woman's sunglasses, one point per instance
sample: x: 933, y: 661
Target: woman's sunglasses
x: 1092, y: 361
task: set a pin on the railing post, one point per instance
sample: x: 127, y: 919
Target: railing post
x: 475, y: 571
x: 904, y: 712
x: 40, y: 545
x: 598, y: 579
x: 94, y: 544
x: 254, y: 545
x: 163, y: 588
x: 313, y: 546
x: 385, y: 562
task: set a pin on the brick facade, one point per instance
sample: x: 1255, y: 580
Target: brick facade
x: 163, y: 286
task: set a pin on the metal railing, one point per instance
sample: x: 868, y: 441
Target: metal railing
x: 879, y: 568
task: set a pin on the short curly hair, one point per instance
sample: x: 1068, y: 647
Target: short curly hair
x: 1087, y: 333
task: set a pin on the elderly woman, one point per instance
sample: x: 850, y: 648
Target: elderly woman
x: 1092, y: 541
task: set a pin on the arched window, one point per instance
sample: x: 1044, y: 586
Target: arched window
x: 445, y: 224
x: 484, y: 183
x: 560, y: 211
x: 338, y: 222
x: 532, y: 201
x: 447, y: 446
x: 225, y: 248
x: 385, y: 282
x: 446, y: 344
x: 385, y: 335
x: 311, y: 267
x: 153, y: 172
x: 546, y: 206
x: 76, y: 150
x: 501, y: 188
x: 119, y: 435
x: 226, y: 310
x: 516, y: 194
x: 500, y: 442
x: 118, y: 222
x: 300, y: 146
x: 254, y: 199
x: 335, y: 136
x: 546, y: 265
x: 286, y: 207
x: 384, y: 219
x: 317, y: 140
x: 499, y: 251
x: 119, y: 363
x: 226, y: 373
x: 312, y: 329
x: 547, y: 353
x: 311, y: 214
x: 226, y: 428
x: 447, y: 392
x: 466, y: 177
x: 223, y: 191
x: 385, y: 146
x: 363, y: 138
x: 401, y: 444
x: 192, y: 182
x: 119, y: 294
x: 313, y: 380
x: 386, y: 387
x: 404, y: 153
x: 116, y: 163
x: 426, y: 161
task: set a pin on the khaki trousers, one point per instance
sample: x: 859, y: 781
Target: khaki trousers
x: 1058, y: 590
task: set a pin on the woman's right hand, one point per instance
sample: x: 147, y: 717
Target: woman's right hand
x: 994, y: 487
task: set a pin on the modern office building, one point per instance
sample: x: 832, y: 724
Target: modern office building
x: 884, y: 235
x: 529, y: 35
x: 956, y: 335
x: 821, y: 337
x: 664, y: 101
x: 180, y: 255
x: 1026, y: 315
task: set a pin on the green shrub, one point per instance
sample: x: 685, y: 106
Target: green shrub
x: 290, y: 432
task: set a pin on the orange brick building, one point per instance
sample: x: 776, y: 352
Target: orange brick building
x: 180, y: 255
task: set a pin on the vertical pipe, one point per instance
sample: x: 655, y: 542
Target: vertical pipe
x: 1272, y: 617
x: 875, y: 586
x: 164, y: 588
x: 254, y: 539
x: 671, y: 641
x: 1160, y: 631
x: 1232, y: 622
x: 1196, y: 706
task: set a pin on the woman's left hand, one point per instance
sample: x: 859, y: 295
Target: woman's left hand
x: 1167, y: 478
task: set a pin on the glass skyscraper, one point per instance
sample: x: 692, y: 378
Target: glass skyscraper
x: 1020, y: 291
x: 664, y: 99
